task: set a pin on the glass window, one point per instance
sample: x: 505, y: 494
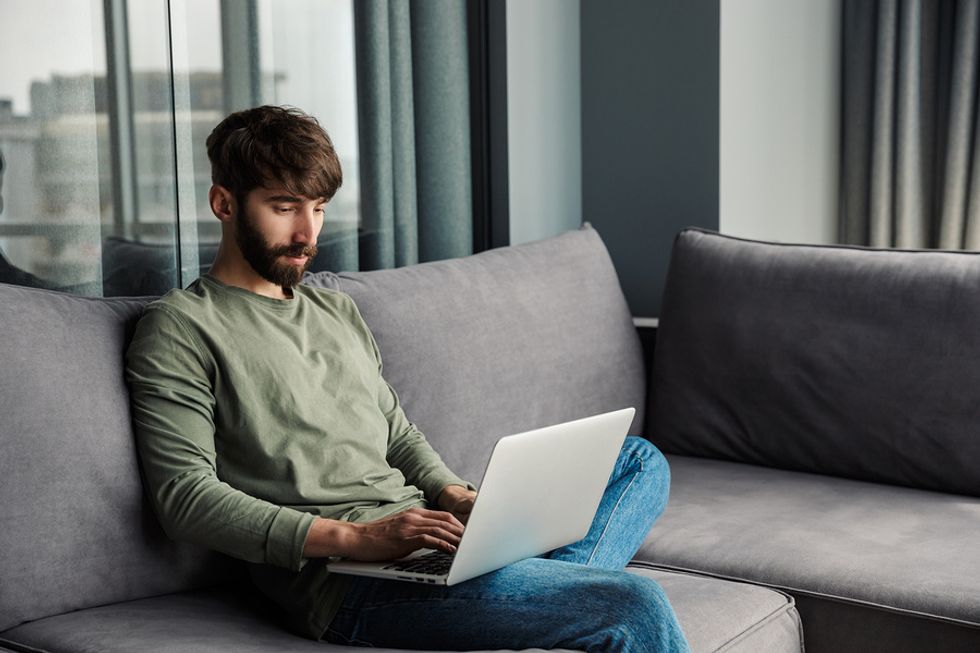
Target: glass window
x: 54, y: 138
x: 103, y: 169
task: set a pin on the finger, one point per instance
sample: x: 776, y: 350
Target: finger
x: 441, y: 533
x: 454, y: 526
x: 421, y: 525
x: 432, y: 514
x: 431, y: 542
x: 441, y: 515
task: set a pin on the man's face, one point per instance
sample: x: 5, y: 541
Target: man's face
x: 276, y: 233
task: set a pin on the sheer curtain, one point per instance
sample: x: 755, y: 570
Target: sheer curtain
x: 910, y: 156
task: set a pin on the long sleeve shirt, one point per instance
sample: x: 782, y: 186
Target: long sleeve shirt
x: 254, y: 415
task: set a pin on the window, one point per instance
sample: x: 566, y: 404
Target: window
x: 102, y: 130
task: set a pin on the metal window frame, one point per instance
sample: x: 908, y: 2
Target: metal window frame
x: 125, y: 193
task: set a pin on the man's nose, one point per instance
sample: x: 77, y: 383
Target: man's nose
x: 307, y: 226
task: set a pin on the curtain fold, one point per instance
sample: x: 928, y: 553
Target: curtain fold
x: 414, y: 133
x: 909, y: 141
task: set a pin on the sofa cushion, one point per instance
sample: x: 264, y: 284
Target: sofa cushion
x: 877, y: 548
x: 847, y: 361
x: 503, y: 341
x: 74, y: 528
x: 725, y: 616
x: 716, y: 616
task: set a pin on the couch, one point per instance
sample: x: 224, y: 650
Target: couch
x: 758, y: 530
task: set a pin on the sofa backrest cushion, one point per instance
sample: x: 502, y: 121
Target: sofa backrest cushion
x: 845, y: 361
x: 503, y: 341
x: 75, y: 530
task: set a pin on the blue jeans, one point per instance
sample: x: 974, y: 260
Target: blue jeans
x: 576, y: 597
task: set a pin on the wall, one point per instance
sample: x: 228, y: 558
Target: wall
x: 650, y: 121
x: 543, y: 118
x: 780, y: 107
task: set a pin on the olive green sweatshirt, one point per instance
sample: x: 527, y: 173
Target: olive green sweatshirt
x: 252, y: 415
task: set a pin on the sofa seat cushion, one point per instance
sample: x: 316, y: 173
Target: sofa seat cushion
x: 896, y: 549
x: 719, y: 615
x: 716, y: 615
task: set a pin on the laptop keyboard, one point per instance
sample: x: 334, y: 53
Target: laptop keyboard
x: 436, y: 563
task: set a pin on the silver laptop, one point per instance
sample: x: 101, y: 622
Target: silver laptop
x: 540, y: 491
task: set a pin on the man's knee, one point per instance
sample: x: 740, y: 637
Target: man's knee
x: 611, y: 611
x: 649, y: 458
x: 636, y: 595
x: 645, y: 451
x: 638, y: 616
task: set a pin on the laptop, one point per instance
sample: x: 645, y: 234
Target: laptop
x: 540, y: 491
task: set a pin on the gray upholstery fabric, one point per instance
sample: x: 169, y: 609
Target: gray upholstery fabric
x: 503, y: 341
x: 725, y: 616
x: 716, y: 616
x: 853, y: 362
x: 876, y: 547
x: 74, y: 528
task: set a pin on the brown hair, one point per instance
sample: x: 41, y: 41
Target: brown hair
x: 269, y: 145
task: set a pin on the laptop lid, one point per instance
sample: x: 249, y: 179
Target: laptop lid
x: 541, y: 490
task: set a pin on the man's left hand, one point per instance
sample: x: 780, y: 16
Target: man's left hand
x: 457, y: 500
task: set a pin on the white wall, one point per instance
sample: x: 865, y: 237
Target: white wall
x: 780, y: 95
x: 544, y: 118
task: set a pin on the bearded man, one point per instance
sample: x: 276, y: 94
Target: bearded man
x: 266, y: 431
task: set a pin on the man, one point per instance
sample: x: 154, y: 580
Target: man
x: 267, y: 431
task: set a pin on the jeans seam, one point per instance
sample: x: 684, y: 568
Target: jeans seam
x: 612, y: 513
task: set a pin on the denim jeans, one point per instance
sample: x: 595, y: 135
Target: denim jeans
x: 576, y: 597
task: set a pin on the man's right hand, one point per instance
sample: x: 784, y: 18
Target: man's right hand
x: 384, y: 539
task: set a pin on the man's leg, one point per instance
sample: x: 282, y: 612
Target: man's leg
x: 534, y: 603
x: 636, y: 496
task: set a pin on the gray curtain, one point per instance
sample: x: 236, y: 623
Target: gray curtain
x: 414, y: 131
x: 910, y: 150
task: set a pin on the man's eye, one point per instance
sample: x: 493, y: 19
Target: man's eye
x: 283, y: 209
x: 319, y: 209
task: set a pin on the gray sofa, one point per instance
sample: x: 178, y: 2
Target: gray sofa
x: 529, y: 335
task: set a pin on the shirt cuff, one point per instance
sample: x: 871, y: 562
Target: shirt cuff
x: 287, y: 537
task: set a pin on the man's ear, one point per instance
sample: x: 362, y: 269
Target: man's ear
x: 222, y: 203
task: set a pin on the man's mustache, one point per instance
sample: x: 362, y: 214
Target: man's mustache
x: 295, y: 250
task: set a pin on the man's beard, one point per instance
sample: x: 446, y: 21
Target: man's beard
x: 264, y: 258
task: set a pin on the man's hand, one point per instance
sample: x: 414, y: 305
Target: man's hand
x: 384, y: 539
x: 458, y: 500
